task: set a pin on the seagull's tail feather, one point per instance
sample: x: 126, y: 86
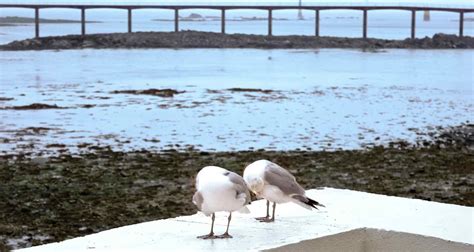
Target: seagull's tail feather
x: 306, y: 202
x: 313, y: 203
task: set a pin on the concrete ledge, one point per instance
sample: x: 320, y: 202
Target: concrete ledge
x: 345, y: 211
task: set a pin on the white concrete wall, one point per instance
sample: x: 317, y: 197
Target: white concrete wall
x: 345, y: 210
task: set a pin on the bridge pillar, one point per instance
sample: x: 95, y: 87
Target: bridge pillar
x: 461, y: 24
x: 176, y: 20
x: 413, y: 23
x: 270, y: 22
x: 364, y: 31
x: 316, y: 24
x: 37, y: 29
x: 83, y: 21
x: 129, y: 20
x: 223, y: 21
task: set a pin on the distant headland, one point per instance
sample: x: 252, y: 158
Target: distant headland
x: 15, y: 21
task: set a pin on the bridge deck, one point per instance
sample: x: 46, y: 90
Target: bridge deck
x: 231, y: 7
x: 223, y: 8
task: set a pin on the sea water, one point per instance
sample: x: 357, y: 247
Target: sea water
x: 316, y: 99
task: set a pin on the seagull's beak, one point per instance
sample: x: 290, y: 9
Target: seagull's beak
x: 253, y: 196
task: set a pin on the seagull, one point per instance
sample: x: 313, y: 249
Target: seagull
x: 218, y: 189
x: 273, y: 183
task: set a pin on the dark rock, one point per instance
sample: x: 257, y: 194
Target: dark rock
x: 34, y: 106
x: 156, y: 92
x: 257, y: 90
x: 60, y: 44
x: 195, y: 39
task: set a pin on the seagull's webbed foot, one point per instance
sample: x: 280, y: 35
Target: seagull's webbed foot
x: 224, y: 236
x: 262, y: 218
x: 208, y: 236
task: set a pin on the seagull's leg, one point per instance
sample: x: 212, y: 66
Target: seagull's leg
x: 273, y: 215
x: 268, y: 214
x: 226, y: 234
x: 211, y: 234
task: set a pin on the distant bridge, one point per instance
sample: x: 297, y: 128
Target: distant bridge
x: 269, y: 8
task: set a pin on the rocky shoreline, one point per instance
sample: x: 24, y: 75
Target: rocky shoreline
x: 195, y: 39
x: 47, y: 199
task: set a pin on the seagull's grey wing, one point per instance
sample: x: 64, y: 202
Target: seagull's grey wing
x: 239, y: 185
x: 281, y: 178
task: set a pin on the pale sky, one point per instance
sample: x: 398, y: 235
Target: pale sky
x: 425, y: 2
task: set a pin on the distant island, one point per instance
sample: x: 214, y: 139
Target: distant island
x: 465, y: 20
x: 15, y: 21
x: 194, y: 17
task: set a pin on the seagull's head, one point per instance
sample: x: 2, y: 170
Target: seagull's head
x: 255, y: 185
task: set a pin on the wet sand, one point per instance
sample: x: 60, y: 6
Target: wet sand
x: 371, y: 240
